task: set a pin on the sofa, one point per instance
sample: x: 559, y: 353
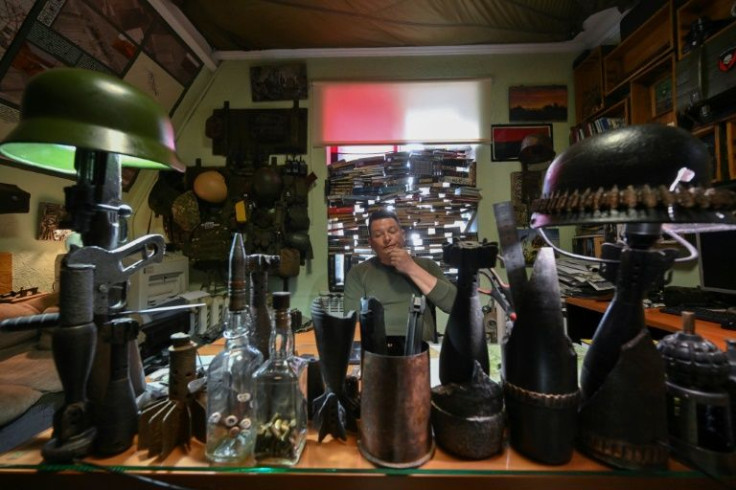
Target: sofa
x: 30, y: 389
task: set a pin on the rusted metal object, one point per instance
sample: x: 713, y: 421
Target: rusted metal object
x: 540, y: 371
x: 623, y: 413
x: 699, y: 408
x: 539, y: 363
x: 465, y: 339
x: 73, y: 343
x: 258, y: 266
x: 468, y: 418
x: 646, y: 176
x: 625, y: 424
x: 395, y: 408
x: 165, y: 424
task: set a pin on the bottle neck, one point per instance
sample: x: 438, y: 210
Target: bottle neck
x: 282, y: 338
x: 237, y: 327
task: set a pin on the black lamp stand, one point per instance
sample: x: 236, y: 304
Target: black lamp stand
x: 92, y: 345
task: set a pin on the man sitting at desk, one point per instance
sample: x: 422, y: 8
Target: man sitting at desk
x: 393, y: 275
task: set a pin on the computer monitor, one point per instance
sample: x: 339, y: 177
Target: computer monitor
x: 717, y: 251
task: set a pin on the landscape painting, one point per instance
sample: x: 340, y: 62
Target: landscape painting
x: 538, y: 103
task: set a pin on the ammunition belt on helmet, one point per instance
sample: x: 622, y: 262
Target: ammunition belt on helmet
x: 634, y: 197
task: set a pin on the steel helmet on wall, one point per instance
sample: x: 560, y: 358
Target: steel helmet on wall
x: 210, y: 186
x: 267, y: 185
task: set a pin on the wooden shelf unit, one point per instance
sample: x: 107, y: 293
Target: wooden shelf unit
x: 691, y: 11
x: 646, y: 45
x: 589, y: 245
x: 648, y: 78
x: 588, y: 79
x: 601, y: 121
x: 637, y: 78
x: 620, y: 109
x: 730, y: 146
x: 711, y: 136
x: 649, y: 103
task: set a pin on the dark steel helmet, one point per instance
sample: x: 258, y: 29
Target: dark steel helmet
x: 267, y: 185
x: 536, y: 148
x: 648, y: 173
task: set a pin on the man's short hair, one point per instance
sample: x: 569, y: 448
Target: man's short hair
x: 382, y: 214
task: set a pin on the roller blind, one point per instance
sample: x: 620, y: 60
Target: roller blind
x: 403, y: 112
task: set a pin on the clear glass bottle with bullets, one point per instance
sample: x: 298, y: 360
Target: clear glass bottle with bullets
x: 230, y: 404
x: 280, y: 404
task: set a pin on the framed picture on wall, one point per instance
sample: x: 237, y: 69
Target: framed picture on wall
x: 506, y: 139
x: 279, y: 82
x: 50, y: 217
x: 538, y: 103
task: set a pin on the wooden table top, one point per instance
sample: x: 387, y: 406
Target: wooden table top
x: 334, y: 457
x: 664, y: 321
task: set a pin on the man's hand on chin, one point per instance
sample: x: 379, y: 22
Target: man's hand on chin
x: 400, y: 259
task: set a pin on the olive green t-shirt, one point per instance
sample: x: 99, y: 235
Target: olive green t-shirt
x: 393, y: 289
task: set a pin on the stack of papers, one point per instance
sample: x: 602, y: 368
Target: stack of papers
x: 579, y: 278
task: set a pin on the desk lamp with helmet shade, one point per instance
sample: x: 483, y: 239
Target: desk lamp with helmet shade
x: 87, y: 125
x: 653, y: 179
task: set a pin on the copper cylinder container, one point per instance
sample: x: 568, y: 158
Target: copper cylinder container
x: 395, y: 427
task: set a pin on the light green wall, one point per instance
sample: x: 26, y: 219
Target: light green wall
x: 230, y: 82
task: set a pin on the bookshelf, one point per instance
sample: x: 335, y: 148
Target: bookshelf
x: 588, y: 245
x: 588, y: 80
x: 613, y: 117
x: 635, y: 54
x: 635, y: 80
x: 730, y: 152
x: 693, y: 10
x: 652, y: 93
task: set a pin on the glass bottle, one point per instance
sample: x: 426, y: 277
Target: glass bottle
x: 280, y: 404
x: 230, y: 427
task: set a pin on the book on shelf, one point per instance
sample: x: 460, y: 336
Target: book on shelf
x: 340, y: 164
x: 596, y: 126
x: 340, y: 210
x: 451, y: 179
x: 467, y: 191
x: 395, y: 156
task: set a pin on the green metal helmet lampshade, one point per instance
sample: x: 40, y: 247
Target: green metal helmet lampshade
x: 634, y: 175
x: 68, y: 108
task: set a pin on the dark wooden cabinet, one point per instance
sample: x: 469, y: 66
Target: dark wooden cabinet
x: 676, y: 68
